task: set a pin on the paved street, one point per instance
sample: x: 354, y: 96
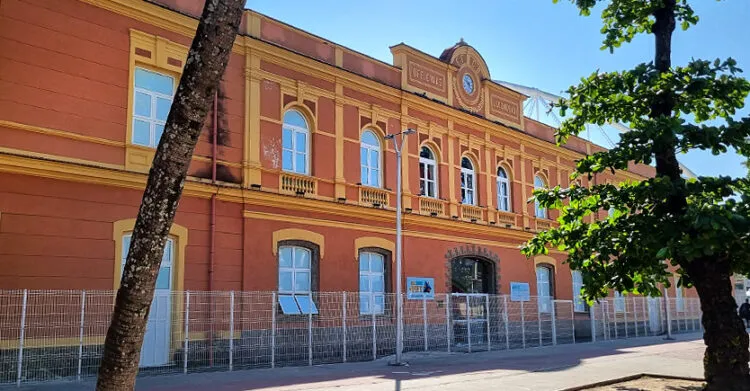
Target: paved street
x: 549, y: 368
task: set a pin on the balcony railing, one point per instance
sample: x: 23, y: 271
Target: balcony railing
x: 505, y: 218
x: 297, y: 184
x: 471, y: 212
x: 543, y: 224
x: 432, y: 206
x: 373, y: 196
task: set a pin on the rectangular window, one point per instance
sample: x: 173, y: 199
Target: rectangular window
x: 152, y: 95
x: 619, y: 302
x: 371, y: 283
x: 295, y: 275
x: 578, y: 304
x: 679, y: 300
x: 544, y: 289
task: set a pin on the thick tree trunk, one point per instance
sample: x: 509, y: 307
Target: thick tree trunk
x: 726, y: 358
x: 205, y: 65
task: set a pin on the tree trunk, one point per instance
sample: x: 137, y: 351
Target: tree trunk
x: 205, y: 65
x: 725, y: 361
x: 726, y: 358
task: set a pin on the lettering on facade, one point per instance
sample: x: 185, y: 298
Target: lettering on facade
x: 505, y: 108
x: 425, y: 77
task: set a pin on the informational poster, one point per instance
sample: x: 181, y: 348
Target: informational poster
x: 519, y: 291
x: 420, y: 288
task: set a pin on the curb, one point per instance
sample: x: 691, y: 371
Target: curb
x: 629, y: 378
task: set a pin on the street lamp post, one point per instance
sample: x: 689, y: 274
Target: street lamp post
x: 399, y: 248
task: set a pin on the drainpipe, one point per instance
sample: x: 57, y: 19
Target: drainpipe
x: 212, y: 245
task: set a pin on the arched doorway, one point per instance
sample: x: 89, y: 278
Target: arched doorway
x: 472, y: 275
x: 472, y: 283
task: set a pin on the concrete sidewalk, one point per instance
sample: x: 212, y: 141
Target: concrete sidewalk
x: 547, y: 368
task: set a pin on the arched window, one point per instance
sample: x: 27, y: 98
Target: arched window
x: 295, y: 143
x: 370, y: 159
x: 503, y: 190
x: 544, y: 288
x: 427, y: 173
x: 578, y: 304
x: 539, y: 212
x: 468, y: 182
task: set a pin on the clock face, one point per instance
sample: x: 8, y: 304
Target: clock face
x: 468, y: 84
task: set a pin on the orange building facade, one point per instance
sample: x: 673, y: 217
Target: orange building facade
x: 293, y: 162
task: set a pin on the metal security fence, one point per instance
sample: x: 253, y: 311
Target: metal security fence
x: 59, y: 335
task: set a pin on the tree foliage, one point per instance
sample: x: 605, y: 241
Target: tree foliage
x: 629, y: 250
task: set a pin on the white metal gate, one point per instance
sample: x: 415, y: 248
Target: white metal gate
x: 470, y: 314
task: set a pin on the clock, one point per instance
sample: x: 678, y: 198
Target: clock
x: 468, y: 84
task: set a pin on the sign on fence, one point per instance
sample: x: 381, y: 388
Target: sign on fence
x: 420, y: 288
x: 519, y: 291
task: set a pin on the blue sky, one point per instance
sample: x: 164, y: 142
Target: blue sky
x: 530, y: 42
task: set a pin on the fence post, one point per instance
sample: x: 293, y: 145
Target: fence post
x: 614, y: 314
x: 669, y: 318
x: 539, y: 320
x: 625, y: 314
x: 187, y: 330
x: 343, y: 323
x: 554, y: 323
x: 635, y: 316
x: 505, y: 321
x: 231, y: 330
x: 448, y: 320
x: 21, y: 336
x: 309, y: 330
x: 523, y: 327
x: 424, y: 321
x: 374, y: 333
x: 646, y: 317
x: 573, y: 320
x: 592, y: 313
x: 273, y: 329
x: 487, y: 316
x: 605, y: 320
x: 80, y: 334
x: 468, y: 322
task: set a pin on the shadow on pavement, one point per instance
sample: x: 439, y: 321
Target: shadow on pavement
x: 421, y: 365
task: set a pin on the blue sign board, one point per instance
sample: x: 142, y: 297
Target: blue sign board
x: 519, y: 291
x: 420, y: 288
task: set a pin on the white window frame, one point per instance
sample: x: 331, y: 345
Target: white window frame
x: 578, y: 304
x: 167, y: 257
x: 619, y: 302
x: 369, y: 293
x: 539, y: 212
x: 503, y: 196
x: 294, y: 129
x: 368, y: 165
x: 300, y: 301
x: 152, y: 120
x: 679, y: 299
x: 466, y: 174
x: 423, y: 177
x: 544, y: 297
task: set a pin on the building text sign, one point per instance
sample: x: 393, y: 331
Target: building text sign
x: 420, y: 288
x: 519, y: 291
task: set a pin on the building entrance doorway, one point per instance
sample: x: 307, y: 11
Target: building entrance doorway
x: 472, y: 281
